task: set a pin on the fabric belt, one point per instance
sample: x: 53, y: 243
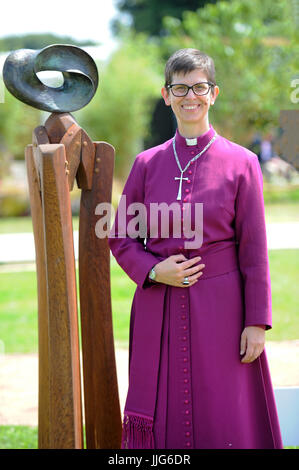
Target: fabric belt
x: 148, y: 303
x: 219, y: 262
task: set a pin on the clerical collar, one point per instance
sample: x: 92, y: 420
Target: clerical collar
x: 191, y: 142
x: 199, y: 142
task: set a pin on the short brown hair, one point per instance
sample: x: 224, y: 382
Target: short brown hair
x: 187, y: 60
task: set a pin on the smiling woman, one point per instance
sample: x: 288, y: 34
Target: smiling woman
x: 198, y: 373
x: 190, y: 99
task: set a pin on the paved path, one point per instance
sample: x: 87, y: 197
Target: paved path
x: 19, y: 247
x: 19, y: 379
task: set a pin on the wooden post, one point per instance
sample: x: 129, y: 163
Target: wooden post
x: 43, y: 338
x: 102, y: 409
x: 64, y: 371
x: 60, y: 409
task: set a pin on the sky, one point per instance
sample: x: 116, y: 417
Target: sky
x: 80, y: 19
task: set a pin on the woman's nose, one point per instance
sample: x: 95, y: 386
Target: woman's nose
x: 191, y: 94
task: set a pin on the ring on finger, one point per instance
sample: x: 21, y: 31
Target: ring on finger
x: 186, y: 281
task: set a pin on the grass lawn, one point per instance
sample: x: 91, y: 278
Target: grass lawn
x: 18, y: 309
x: 23, y: 224
x: 279, y: 213
x: 18, y: 437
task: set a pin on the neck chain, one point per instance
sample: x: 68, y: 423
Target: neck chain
x: 179, y: 196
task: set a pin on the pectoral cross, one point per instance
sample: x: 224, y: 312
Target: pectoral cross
x: 179, y: 196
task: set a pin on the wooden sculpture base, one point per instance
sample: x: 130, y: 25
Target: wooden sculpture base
x: 62, y: 151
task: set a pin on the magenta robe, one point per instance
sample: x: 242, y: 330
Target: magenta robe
x: 187, y: 386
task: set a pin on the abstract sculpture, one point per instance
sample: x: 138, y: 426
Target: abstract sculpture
x: 60, y: 152
x: 79, y: 72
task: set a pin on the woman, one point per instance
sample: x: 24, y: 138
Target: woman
x: 198, y: 373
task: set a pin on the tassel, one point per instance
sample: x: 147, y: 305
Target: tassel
x: 137, y: 432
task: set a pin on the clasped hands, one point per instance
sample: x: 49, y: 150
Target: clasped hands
x: 175, y: 268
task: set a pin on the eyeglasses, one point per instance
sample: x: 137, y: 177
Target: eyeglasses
x: 179, y: 89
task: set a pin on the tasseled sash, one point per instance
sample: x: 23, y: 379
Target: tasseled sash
x: 137, y: 432
x: 140, y: 405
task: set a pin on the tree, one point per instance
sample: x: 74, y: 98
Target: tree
x: 147, y: 15
x: 17, y: 120
x: 254, y: 46
x: 38, y: 41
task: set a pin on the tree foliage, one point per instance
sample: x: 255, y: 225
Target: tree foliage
x: 17, y: 120
x: 255, y: 48
x: 147, y: 15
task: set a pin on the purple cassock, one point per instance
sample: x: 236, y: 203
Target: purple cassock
x: 187, y: 386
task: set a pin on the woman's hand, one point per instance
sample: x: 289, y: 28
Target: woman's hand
x: 173, y: 269
x: 252, y: 343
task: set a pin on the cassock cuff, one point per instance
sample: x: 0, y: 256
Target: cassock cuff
x: 266, y: 326
x: 147, y: 281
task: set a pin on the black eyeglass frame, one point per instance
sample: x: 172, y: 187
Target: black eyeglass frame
x: 169, y: 87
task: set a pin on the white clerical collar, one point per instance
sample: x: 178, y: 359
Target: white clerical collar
x: 191, y: 142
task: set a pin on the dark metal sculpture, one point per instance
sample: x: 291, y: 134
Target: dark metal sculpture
x: 61, y: 152
x: 79, y: 72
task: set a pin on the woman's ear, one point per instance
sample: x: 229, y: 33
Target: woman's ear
x: 166, y: 97
x: 215, y: 94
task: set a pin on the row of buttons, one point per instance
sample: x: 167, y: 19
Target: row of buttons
x: 187, y: 191
x: 188, y: 182
x: 186, y: 399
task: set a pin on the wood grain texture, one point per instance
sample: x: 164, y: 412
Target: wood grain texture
x: 72, y: 143
x: 57, y: 125
x: 102, y: 408
x: 86, y: 167
x: 43, y: 339
x: 65, y: 413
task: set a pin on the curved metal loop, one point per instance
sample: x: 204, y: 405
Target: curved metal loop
x: 77, y: 67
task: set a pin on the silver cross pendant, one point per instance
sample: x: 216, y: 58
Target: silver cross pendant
x: 179, y: 196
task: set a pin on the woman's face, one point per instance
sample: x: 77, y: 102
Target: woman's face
x: 191, y: 111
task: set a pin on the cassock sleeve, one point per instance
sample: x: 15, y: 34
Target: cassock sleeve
x: 127, y: 248
x: 252, y: 246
